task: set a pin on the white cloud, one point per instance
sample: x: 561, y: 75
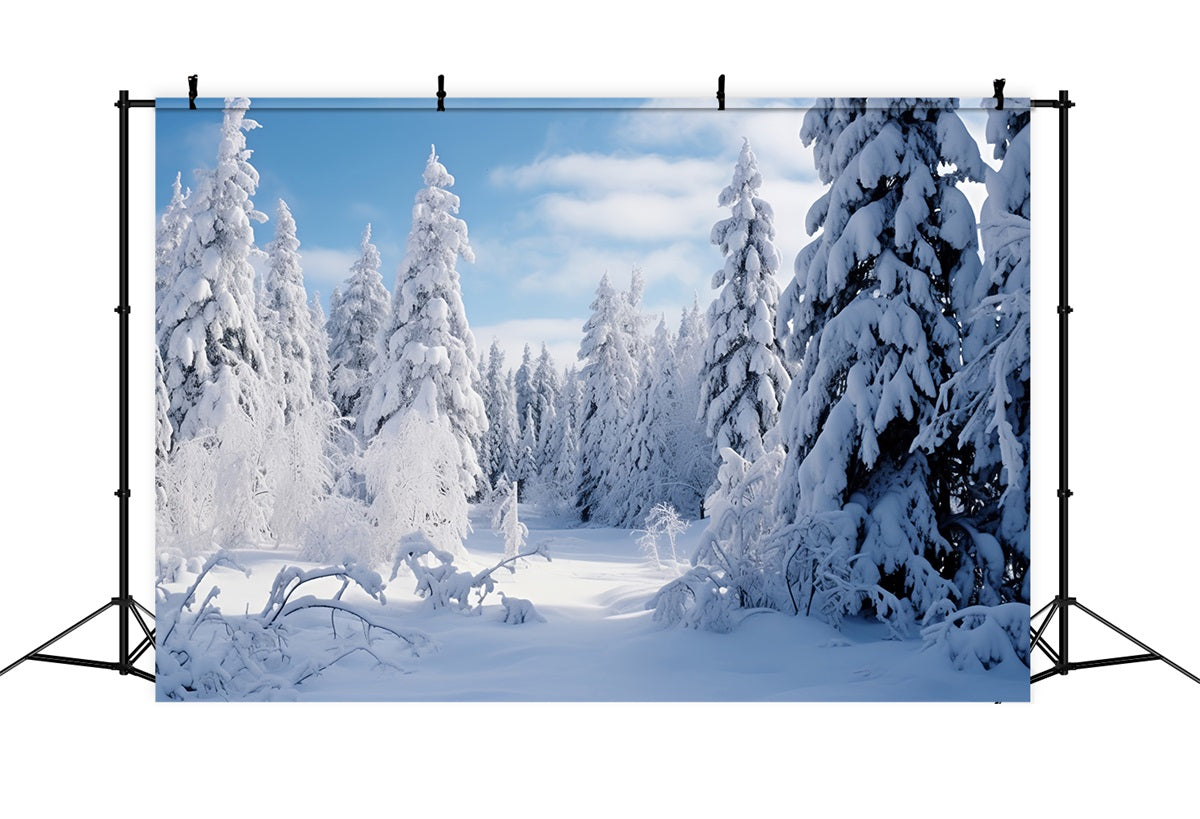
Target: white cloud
x: 325, y: 268
x: 560, y: 335
x: 605, y: 172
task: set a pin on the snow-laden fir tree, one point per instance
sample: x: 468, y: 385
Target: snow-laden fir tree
x: 869, y: 309
x: 646, y: 460
x: 169, y: 235
x: 544, y: 384
x: 291, y: 340
x: 695, y: 462
x: 319, y: 345
x: 207, y: 328
x: 496, y: 456
x: 426, y: 337
x: 985, y: 405
x: 609, y: 376
x: 354, y: 323
x: 744, y: 378
x: 526, y: 465
x: 413, y: 473
x: 563, y: 466
x: 523, y: 384
x: 298, y: 468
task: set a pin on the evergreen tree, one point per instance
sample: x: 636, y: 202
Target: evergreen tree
x: 356, y: 316
x: 695, y: 462
x: 523, y: 382
x: 427, y: 338
x: 545, y: 386
x: 563, y: 466
x: 169, y: 236
x: 288, y: 329
x: 609, y: 377
x: 985, y: 405
x: 869, y: 307
x: 743, y: 378
x: 500, y: 404
x: 207, y: 328
x: 319, y: 345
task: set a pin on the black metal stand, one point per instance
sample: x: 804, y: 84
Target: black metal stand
x: 124, y: 603
x: 1062, y: 604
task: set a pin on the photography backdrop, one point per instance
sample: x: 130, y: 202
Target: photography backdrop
x: 593, y: 399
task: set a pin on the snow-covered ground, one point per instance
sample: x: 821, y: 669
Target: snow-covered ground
x: 600, y: 643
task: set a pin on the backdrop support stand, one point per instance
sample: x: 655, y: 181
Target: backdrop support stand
x: 124, y: 603
x: 1063, y: 602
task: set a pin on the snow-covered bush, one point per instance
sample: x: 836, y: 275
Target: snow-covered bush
x: 982, y: 636
x: 206, y: 654
x: 443, y: 584
x: 700, y: 599
x: 417, y: 493
x: 340, y: 529
x: 661, y: 520
x: 736, y: 542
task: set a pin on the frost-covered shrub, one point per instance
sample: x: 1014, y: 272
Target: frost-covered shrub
x: 339, y: 529
x: 206, y: 654
x: 662, y: 519
x: 700, y: 599
x: 736, y: 542
x: 443, y: 584
x: 982, y: 636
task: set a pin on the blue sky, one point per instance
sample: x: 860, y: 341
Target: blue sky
x: 553, y: 197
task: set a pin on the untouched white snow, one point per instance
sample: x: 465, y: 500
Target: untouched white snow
x: 600, y: 643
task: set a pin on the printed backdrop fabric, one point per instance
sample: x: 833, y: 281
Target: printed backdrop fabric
x: 593, y: 400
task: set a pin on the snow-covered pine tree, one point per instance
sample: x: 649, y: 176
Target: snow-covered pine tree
x: 523, y: 384
x: 214, y: 367
x: 868, y: 308
x: 545, y: 385
x: 563, y: 467
x: 288, y: 329
x: 427, y: 338
x: 319, y: 345
x: 355, y: 320
x: 169, y: 235
x: 646, y: 457
x: 421, y: 493
x: 609, y: 377
x: 744, y: 378
x: 500, y: 404
x: 985, y: 405
x: 695, y: 463
x: 296, y: 452
x: 526, y: 466
x: 207, y: 329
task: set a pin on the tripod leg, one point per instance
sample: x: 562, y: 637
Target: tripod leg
x: 1137, y: 642
x: 1037, y: 641
x: 59, y: 636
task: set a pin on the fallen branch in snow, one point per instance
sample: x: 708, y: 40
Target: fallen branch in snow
x: 444, y: 585
x: 250, y: 656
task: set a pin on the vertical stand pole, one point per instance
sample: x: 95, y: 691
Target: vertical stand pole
x: 123, y: 602
x: 1062, y: 604
x: 1064, y: 311
x: 123, y: 490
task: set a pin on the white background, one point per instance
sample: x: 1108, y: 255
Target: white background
x: 1101, y: 742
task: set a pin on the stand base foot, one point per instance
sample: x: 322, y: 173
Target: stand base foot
x: 1063, y: 665
x: 123, y: 665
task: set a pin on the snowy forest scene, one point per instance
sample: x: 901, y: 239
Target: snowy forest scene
x: 579, y: 400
